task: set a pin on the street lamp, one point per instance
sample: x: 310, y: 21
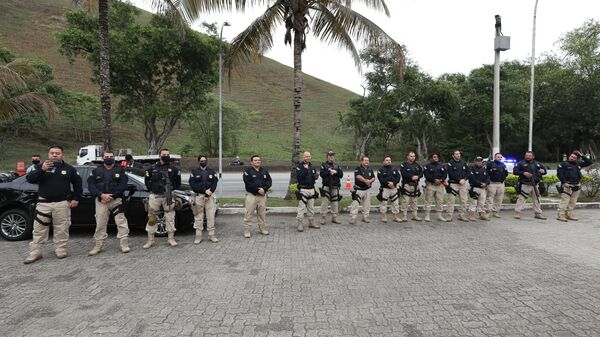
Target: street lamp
x: 221, y: 107
x: 501, y: 43
x: 530, y: 147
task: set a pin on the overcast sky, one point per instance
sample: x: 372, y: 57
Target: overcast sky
x: 442, y: 36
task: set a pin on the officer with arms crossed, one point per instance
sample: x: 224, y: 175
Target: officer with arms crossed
x: 457, y: 186
x: 203, y: 181
x: 107, y: 183
x: 331, y: 174
x: 55, y: 200
x: 363, y: 180
x: 389, y: 178
x: 161, y: 180
x: 411, y: 174
x: 435, y: 174
x: 479, y: 181
x: 497, y: 172
x: 569, y: 173
x: 257, y: 181
x: 530, y: 172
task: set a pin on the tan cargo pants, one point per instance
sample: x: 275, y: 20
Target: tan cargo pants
x: 567, y: 202
x: 478, y: 205
x: 533, y: 192
x: 409, y: 203
x: 155, y: 203
x: 495, y: 195
x: 103, y: 211
x: 59, y: 215
x: 365, y: 201
x: 308, y: 207
x: 325, y: 203
x: 434, y: 191
x: 387, y: 194
x: 254, y: 203
x: 204, y: 205
x: 463, y: 198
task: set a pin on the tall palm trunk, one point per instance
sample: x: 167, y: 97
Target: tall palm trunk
x: 298, y: 38
x: 104, y: 73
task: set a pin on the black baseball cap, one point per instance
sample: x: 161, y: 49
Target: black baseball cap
x: 478, y: 158
x: 330, y: 153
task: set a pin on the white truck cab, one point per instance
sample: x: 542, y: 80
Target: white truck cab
x: 92, y: 154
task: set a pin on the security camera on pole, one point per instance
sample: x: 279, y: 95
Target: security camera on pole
x: 501, y: 43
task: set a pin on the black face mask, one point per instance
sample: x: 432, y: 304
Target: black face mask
x: 35, y: 162
x: 166, y: 159
x: 109, y: 161
x: 203, y: 164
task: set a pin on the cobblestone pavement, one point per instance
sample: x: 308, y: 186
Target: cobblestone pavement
x: 499, y: 278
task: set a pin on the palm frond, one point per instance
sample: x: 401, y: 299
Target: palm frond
x: 10, y: 79
x: 30, y: 102
x: 256, y: 38
x: 334, y: 22
x: 377, y: 5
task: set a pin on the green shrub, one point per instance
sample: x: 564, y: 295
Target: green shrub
x: 590, y: 184
x: 293, y: 188
x: 511, y: 180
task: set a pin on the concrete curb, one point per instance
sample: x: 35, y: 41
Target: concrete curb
x: 375, y: 209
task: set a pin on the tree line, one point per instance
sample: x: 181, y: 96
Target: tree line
x: 454, y: 111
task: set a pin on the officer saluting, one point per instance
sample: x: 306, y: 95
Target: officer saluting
x: 257, y: 181
x: 530, y: 172
x: 331, y: 174
x: 389, y: 178
x: 497, y: 172
x: 569, y: 173
x: 55, y: 200
x: 435, y: 174
x: 411, y: 174
x: 203, y: 181
x: 107, y: 183
x: 161, y: 180
x: 307, y: 176
x: 363, y: 180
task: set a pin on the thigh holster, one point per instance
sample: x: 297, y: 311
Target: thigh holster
x: 39, y: 215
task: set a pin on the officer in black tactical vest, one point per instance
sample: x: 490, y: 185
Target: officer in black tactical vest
x: 530, y: 172
x: 569, y: 173
x: 203, y: 181
x: 330, y: 173
x: 457, y: 186
x: 363, y: 180
x: 107, y: 183
x: 161, y: 180
x: 307, y: 176
x: 389, y: 178
x: 479, y: 181
x: 411, y: 172
x: 435, y: 175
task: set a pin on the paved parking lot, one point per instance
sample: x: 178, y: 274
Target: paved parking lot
x: 498, y: 278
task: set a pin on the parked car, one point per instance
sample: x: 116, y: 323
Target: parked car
x: 18, y: 199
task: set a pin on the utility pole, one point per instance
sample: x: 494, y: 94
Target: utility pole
x: 501, y: 43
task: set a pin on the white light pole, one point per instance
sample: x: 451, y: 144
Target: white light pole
x: 530, y: 147
x: 221, y: 107
x: 501, y: 43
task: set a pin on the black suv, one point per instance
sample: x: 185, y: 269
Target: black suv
x: 18, y: 199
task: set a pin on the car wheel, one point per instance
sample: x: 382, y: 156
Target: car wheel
x: 15, y: 225
x: 161, y: 225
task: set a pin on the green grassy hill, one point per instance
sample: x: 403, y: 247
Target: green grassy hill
x: 27, y: 27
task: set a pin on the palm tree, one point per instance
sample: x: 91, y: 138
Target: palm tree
x: 15, y: 99
x: 331, y: 21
